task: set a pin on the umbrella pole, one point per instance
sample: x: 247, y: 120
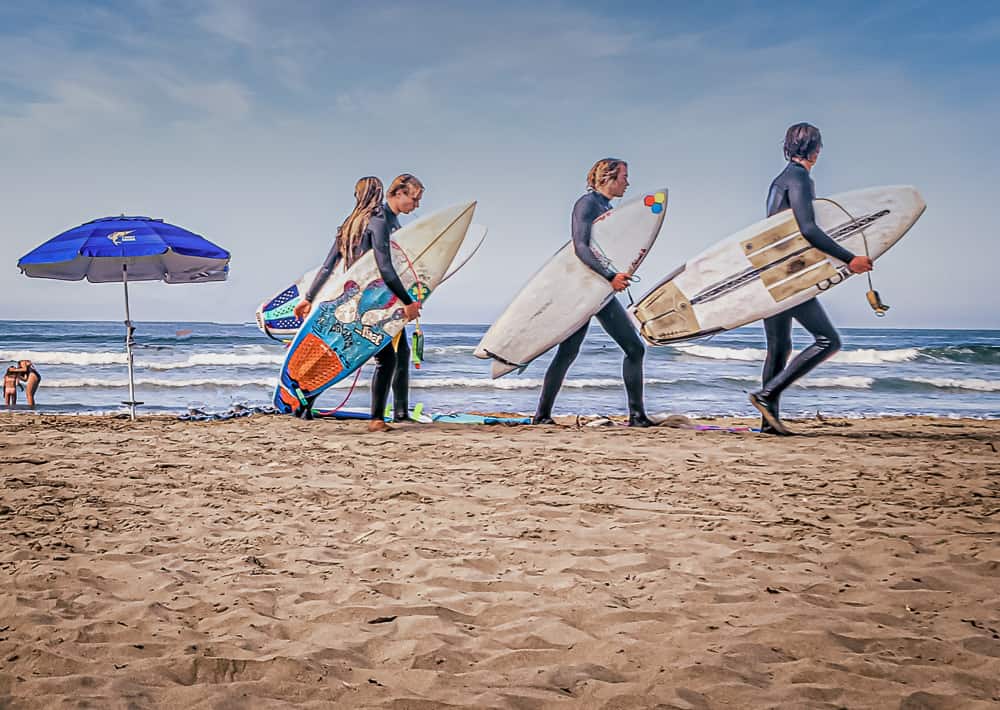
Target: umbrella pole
x: 128, y: 348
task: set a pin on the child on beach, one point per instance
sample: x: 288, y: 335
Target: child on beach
x: 10, y: 387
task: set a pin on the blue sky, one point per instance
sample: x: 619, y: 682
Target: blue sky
x: 249, y: 122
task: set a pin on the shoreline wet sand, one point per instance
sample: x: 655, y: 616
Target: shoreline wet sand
x: 269, y: 562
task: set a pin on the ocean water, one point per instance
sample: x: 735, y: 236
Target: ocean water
x: 215, y: 365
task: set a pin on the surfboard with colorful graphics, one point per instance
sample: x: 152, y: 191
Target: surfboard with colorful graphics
x: 355, y: 314
x: 565, y: 292
x: 769, y: 267
x: 276, y: 318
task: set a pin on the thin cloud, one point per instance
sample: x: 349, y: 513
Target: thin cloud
x: 249, y: 122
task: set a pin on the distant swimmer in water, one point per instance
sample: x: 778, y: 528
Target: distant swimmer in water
x: 794, y: 189
x: 369, y: 226
x: 607, y: 179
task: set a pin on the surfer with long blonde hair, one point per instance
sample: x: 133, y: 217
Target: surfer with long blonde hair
x: 347, y: 245
x: 607, y: 179
x: 369, y: 226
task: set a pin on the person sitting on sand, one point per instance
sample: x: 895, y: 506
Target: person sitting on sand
x: 607, y: 179
x: 31, y: 377
x: 793, y: 189
x: 10, y: 380
x: 369, y: 227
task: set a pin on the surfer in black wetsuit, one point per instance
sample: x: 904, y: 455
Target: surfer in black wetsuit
x: 350, y: 234
x: 794, y: 189
x: 369, y: 227
x: 606, y: 180
x: 392, y: 363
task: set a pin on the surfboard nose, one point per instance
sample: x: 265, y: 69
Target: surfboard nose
x: 917, y: 198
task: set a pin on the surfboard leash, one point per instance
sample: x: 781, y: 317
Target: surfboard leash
x: 874, y: 300
x: 417, y: 348
x: 632, y: 278
x: 466, y: 260
x: 357, y: 374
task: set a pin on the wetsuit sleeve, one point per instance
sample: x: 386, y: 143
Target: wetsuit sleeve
x: 800, y: 198
x: 324, y: 272
x: 584, y: 214
x: 383, y: 258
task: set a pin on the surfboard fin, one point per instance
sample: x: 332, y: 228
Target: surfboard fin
x: 520, y: 367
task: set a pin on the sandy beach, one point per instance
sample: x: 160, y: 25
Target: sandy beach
x: 269, y: 562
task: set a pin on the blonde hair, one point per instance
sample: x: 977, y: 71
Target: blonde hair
x: 403, y: 182
x: 368, y: 193
x: 604, y: 171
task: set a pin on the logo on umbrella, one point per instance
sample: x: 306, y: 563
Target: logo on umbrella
x: 125, y: 236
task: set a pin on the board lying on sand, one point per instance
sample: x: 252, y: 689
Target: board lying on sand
x: 565, y: 292
x: 462, y: 418
x: 355, y: 314
x: 769, y: 267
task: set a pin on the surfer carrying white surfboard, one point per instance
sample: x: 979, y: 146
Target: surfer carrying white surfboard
x: 607, y: 179
x: 794, y: 189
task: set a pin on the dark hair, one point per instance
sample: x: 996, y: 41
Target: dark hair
x: 802, y: 141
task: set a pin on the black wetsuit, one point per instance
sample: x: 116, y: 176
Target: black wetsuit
x: 329, y: 264
x: 612, y: 318
x: 392, y: 365
x: 794, y: 189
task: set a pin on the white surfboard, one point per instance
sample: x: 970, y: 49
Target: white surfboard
x: 565, y: 292
x: 769, y: 267
x: 275, y: 316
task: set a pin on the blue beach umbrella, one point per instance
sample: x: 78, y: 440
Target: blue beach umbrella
x: 124, y: 249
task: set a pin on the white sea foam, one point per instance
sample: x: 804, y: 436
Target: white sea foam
x: 850, y: 357
x: 714, y: 353
x: 846, y: 381
x: 849, y: 382
x: 210, y: 359
x: 970, y: 383
x: 362, y: 382
x: 449, y: 349
x: 60, y: 357
x: 875, y: 357
x: 219, y: 360
x: 518, y: 383
x: 160, y: 382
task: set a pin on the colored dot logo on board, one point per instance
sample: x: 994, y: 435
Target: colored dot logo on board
x: 655, y: 202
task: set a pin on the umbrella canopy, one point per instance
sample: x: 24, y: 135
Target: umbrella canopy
x: 123, y: 249
x: 152, y: 249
